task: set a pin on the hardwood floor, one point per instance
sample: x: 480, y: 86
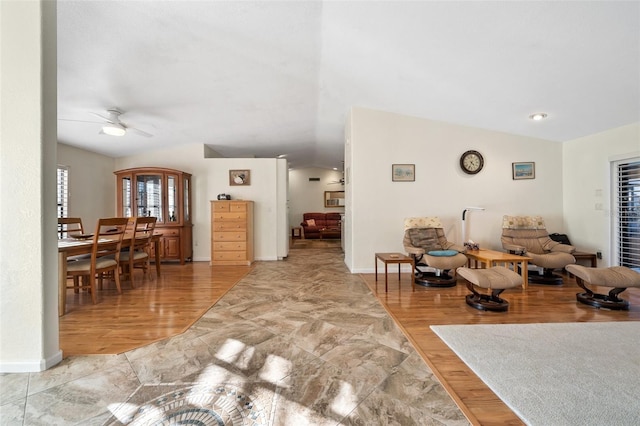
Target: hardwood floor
x: 154, y: 310
x: 415, y: 311
x: 167, y: 306
x: 118, y: 323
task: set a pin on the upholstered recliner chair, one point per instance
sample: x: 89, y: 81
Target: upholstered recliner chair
x: 528, y: 236
x: 425, y: 241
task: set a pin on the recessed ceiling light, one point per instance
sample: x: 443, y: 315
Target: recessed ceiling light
x: 281, y: 156
x: 538, y: 116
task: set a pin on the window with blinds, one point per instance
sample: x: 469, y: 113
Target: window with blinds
x: 62, y: 197
x: 63, y: 191
x: 627, y: 212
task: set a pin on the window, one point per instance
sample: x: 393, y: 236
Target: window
x: 62, y: 186
x: 63, y: 191
x: 627, y: 212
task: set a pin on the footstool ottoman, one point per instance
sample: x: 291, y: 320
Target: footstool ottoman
x: 618, y: 277
x: 497, y: 279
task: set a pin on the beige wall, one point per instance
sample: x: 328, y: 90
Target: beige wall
x: 91, y: 184
x: 377, y: 207
x: 308, y: 197
x: 588, y: 186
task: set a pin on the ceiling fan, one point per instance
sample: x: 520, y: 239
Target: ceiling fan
x: 112, y: 125
x: 341, y: 180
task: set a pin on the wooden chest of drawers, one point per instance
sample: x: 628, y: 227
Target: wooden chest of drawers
x: 231, y: 232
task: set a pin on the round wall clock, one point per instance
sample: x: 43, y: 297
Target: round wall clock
x: 471, y: 162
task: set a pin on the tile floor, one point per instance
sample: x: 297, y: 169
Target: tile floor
x: 296, y: 342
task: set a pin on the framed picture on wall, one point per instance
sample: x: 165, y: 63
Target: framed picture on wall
x: 523, y: 170
x: 403, y: 172
x: 239, y: 177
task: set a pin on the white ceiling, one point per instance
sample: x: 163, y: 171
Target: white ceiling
x: 263, y: 78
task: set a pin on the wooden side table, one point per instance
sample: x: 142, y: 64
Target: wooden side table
x: 579, y: 255
x: 591, y: 257
x: 296, y: 232
x: 398, y: 258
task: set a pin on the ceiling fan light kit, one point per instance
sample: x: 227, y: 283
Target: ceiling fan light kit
x: 114, y: 129
x: 538, y: 116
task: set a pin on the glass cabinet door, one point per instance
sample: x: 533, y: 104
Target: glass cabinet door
x: 186, y: 198
x: 172, y: 198
x: 127, y: 210
x: 149, y: 196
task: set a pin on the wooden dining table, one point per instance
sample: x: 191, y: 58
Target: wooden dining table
x: 74, y: 247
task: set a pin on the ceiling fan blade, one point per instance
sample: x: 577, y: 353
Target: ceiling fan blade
x: 140, y: 132
x: 80, y: 121
x: 107, y: 119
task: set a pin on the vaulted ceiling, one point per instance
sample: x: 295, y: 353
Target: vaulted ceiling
x: 265, y: 78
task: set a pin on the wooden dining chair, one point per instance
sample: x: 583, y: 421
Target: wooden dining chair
x: 140, y: 231
x: 69, y: 226
x: 105, y: 257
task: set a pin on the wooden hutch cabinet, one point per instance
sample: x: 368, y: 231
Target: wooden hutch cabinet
x: 231, y: 232
x: 165, y: 194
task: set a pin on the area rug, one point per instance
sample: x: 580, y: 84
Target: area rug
x: 556, y: 374
x: 196, y: 404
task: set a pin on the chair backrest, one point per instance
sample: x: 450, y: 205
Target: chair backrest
x: 425, y: 233
x: 68, y: 226
x: 107, y: 239
x: 422, y: 222
x: 523, y: 222
x: 529, y: 232
x: 141, y: 228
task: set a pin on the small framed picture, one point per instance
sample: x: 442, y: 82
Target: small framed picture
x: 523, y: 170
x: 239, y: 177
x: 403, y: 172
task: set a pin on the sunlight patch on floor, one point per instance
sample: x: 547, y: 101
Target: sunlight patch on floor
x: 345, y: 401
x: 275, y: 368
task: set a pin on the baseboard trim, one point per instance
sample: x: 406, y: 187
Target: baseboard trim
x: 34, y: 366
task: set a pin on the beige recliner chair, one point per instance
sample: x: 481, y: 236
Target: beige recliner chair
x: 528, y: 236
x: 425, y: 241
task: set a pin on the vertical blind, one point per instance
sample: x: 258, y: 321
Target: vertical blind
x: 62, y: 197
x: 627, y: 213
x: 63, y: 191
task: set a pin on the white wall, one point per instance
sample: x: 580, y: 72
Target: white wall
x: 377, y: 207
x: 282, y: 208
x: 28, y: 260
x: 587, y: 186
x: 91, y: 184
x: 308, y: 197
x: 210, y: 177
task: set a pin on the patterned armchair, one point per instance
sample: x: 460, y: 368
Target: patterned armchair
x: 425, y: 241
x: 528, y: 236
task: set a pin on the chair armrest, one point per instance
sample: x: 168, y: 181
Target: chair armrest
x: 563, y: 248
x: 554, y: 246
x: 414, y: 250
